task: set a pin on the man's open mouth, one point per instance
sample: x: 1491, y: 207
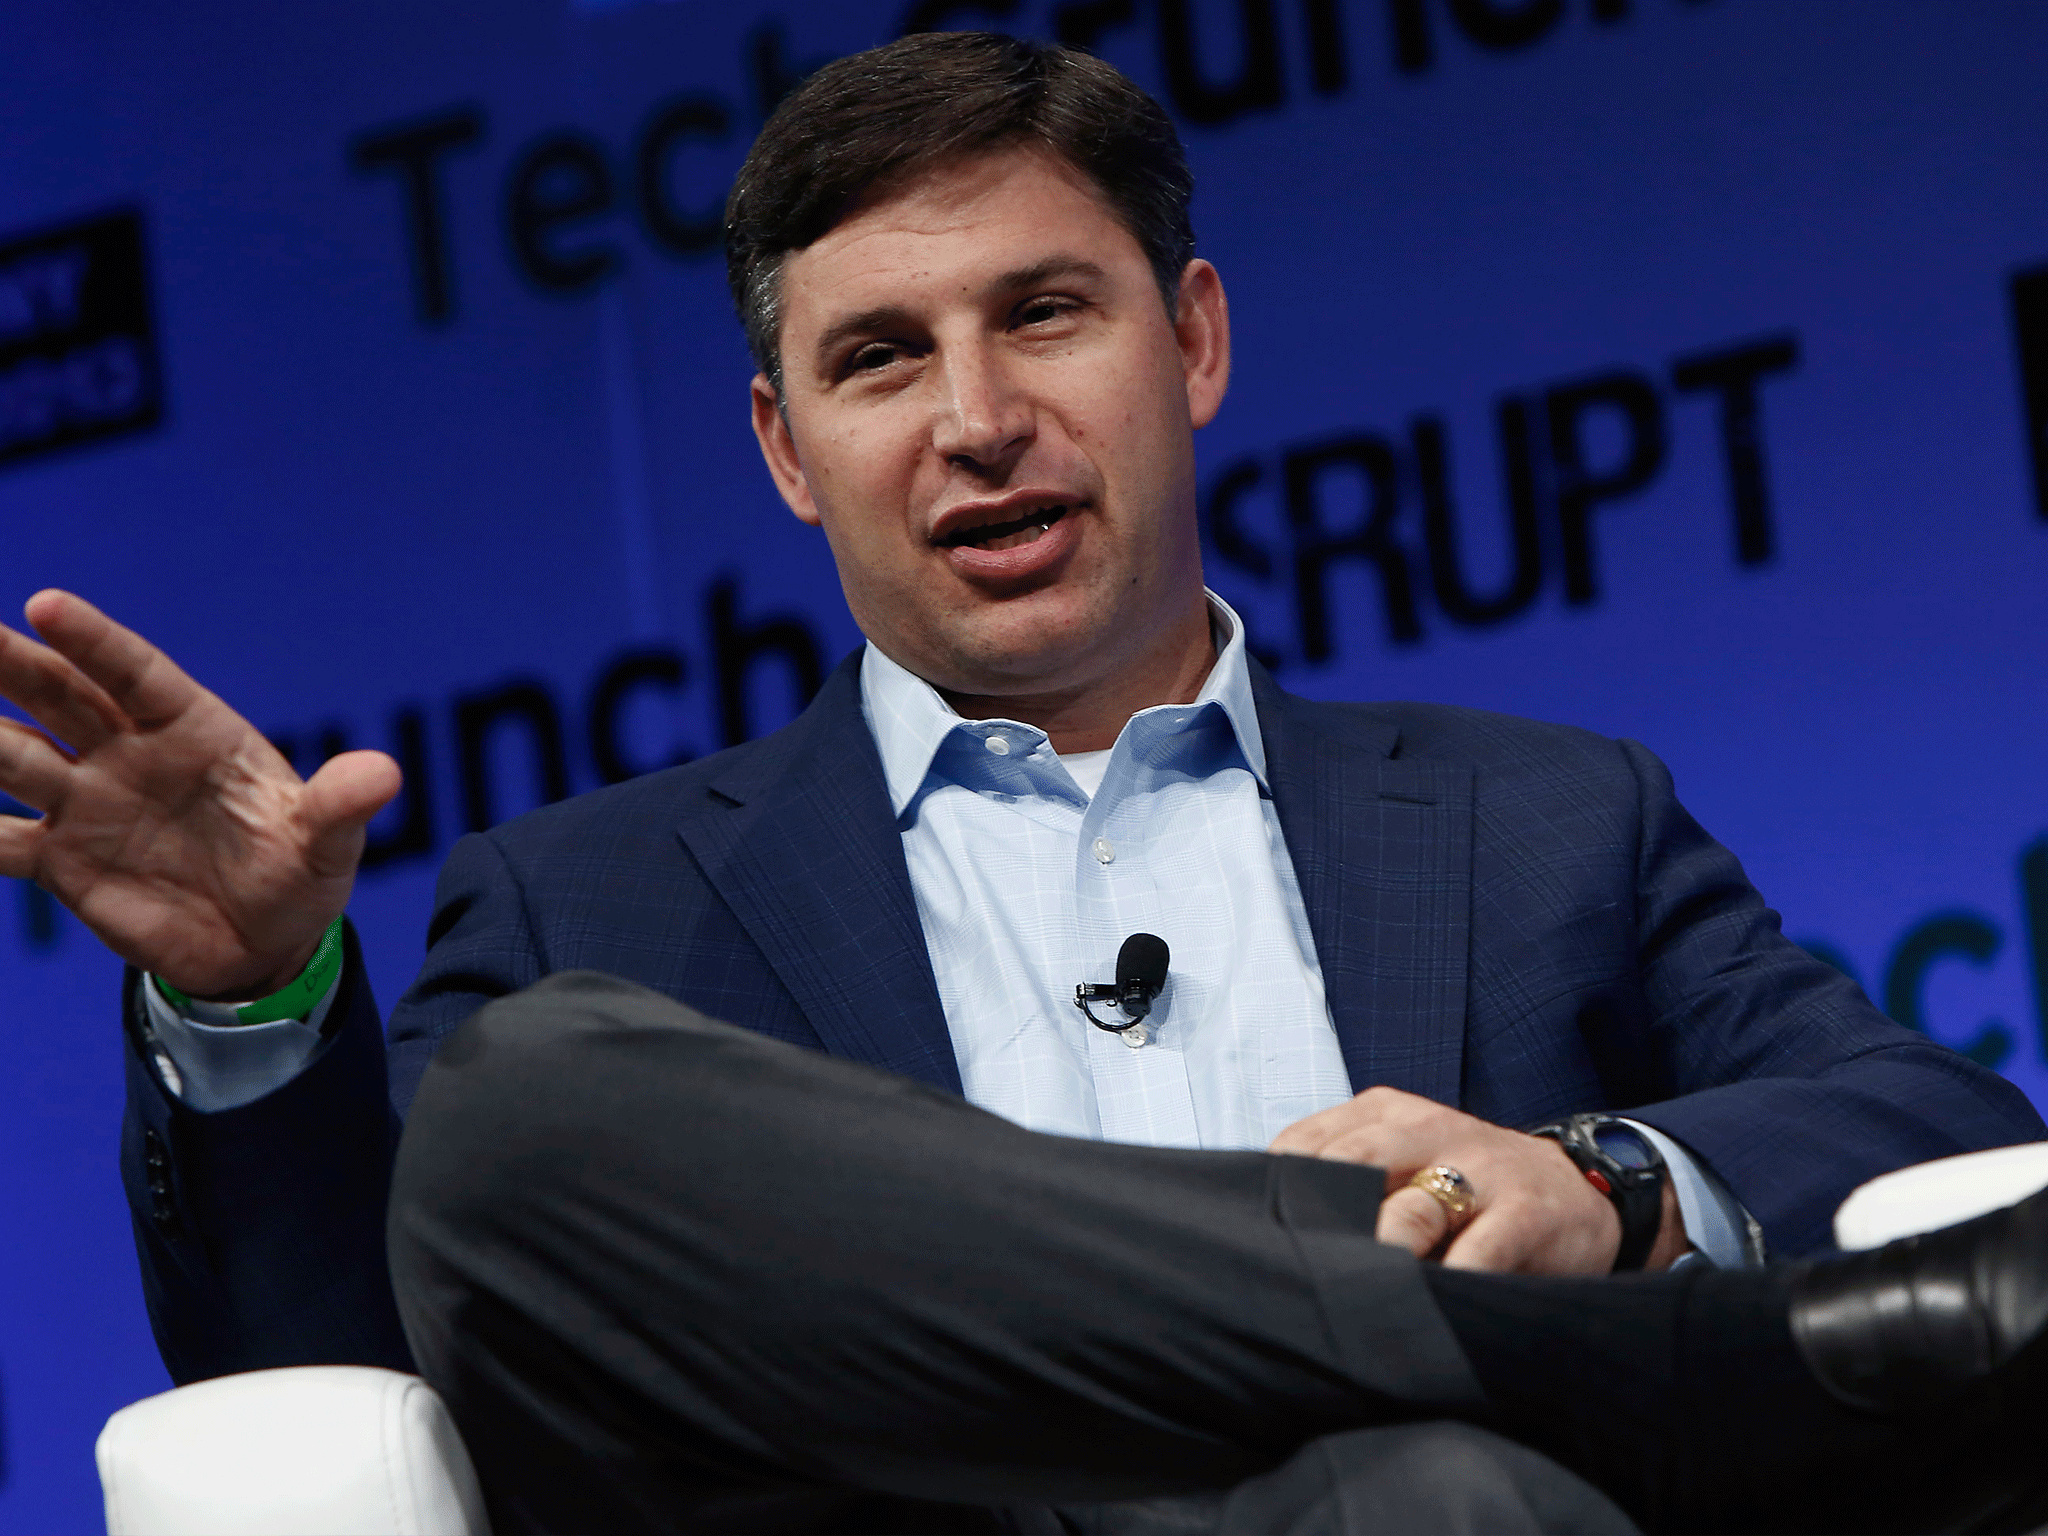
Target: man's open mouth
x: 1013, y: 534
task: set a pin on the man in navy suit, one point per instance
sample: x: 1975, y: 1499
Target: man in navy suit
x: 1469, y: 924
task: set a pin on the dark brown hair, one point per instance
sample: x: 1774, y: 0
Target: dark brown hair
x: 872, y: 120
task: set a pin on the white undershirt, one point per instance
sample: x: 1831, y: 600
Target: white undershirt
x: 1087, y: 768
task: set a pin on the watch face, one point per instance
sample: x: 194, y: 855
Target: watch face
x: 1625, y: 1144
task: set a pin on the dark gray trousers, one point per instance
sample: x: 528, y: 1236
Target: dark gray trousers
x: 670, y: 1275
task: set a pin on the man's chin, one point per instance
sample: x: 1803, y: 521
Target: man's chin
x: 1009, y: 654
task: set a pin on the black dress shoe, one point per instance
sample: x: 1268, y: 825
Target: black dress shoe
x: 1920, y: 1322
x: 1948, y: 1328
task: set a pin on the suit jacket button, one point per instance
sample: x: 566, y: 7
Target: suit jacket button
x: 156, y: 1167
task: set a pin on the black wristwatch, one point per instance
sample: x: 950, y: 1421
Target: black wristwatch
x: 1623, y: 1164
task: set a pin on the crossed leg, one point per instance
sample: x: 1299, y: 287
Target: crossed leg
x: 670, y: 1274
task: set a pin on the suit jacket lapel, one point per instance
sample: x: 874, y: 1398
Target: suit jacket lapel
x: 796, y: 836
x: 1382, y: 848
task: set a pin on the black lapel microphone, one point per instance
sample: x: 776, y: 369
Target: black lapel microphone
x: 1140, y: 977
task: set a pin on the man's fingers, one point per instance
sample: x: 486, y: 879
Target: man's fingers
x: 1371, y: 1127
x: 141, y: 680
x: 1533, y: 1212
x: 1398, y: 1149
x: 1497, y: 1241
x: 340, y: 800
x: 32, y: 770
x: 1306, y: 1137
x: 1299, y: 1140
x: 352, y: 787
x: 1414, y: 1219
x: 1347, y: 1133
x: 70, y: 705
x: 18, y: 837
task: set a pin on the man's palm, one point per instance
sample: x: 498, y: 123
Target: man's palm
x: 170, y: 826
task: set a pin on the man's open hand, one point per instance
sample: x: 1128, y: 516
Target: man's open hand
x: 1535, y: 1214
x: 170, y: 826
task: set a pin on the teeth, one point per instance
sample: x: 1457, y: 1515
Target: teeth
x: 1010, y: 535
x: 1029, y: 535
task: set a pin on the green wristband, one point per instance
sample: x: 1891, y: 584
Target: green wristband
x: 292, y: 1002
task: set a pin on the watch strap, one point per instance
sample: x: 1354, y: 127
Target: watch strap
x: 1637, y: 1194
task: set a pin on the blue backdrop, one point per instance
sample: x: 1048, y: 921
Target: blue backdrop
x: 1661, y: 366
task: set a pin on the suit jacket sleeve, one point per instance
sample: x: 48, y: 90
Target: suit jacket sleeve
x: 261, y: 1229
x: 1801, y: 1089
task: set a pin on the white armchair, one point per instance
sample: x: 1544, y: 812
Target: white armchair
x: 1928, y: 1196
x: 350, y: 1451
x: 315, y: 1450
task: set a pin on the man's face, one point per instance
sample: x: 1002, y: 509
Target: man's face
x: 990, y: 413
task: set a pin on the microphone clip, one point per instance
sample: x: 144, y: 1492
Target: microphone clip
x: 1103, y: 992
x: 1140, y: 977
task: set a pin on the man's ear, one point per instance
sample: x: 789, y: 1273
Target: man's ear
x: 1202, y: 326
x: 771, y: 431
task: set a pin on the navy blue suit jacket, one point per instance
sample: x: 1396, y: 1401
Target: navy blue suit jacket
x: 1515, y: 918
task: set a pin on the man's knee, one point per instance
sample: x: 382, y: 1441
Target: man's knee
x: 570, y: 1042
x: 552, y: 1083
x: 556, y: 1022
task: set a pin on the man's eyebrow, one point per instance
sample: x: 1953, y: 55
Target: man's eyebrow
x: 1046, y: 271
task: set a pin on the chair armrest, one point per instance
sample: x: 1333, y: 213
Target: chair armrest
x: 1939, y: 1194
x: 297, y: 1452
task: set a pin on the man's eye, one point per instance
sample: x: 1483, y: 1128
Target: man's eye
x: 1040, y: 311
x: 871, y: 357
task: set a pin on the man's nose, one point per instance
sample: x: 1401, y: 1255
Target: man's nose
x: 983, y: 419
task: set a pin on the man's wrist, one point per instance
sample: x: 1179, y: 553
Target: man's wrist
x: 295, y: 999
x: 1623, y: 1165
x: 1717, y: 1226
x: 1672, y: 1240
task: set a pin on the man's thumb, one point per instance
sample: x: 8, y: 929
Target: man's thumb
x: 340, y: 800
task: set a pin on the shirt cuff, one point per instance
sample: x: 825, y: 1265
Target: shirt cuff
x: 211, y: 1062
x: 1714, y: 1219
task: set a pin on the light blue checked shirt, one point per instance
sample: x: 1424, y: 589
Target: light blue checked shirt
x: 1030, y: 870
x: 1027, y: 883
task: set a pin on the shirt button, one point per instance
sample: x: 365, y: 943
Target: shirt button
x: 1000, y: 745
x: 1105, y: 850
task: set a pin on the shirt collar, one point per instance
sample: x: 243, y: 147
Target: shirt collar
x: 909, y: 720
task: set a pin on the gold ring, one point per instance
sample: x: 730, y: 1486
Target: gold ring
x: 1450, y: 1189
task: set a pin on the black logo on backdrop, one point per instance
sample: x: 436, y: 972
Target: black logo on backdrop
x: 77, y: 349
x: 2030, y: 330
x: 1386, y: 503
x: 1201, y: 94
x: 1956, y: 933
x: 763, y: 669
x: 561, y: 194
x: 412, y: 152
